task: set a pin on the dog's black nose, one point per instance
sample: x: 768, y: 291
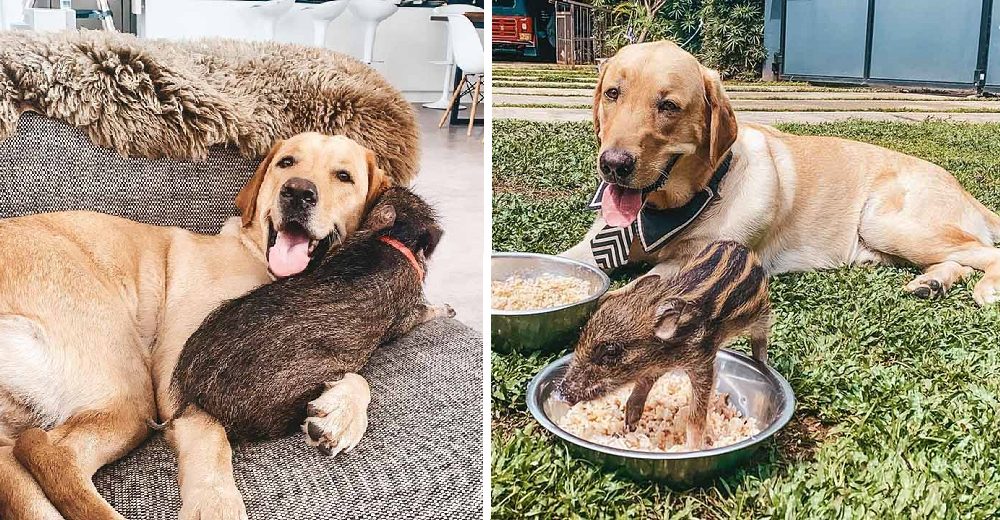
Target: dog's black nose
x: 617, y: 164
x: 298, y: 189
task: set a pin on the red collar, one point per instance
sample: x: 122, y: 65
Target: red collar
x: 406, y: 252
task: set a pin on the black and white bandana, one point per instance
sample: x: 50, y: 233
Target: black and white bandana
x: 654, y: 227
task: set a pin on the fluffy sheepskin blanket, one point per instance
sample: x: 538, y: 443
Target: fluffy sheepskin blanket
x: 155, y: 98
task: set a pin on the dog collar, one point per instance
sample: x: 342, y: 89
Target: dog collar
x: 406, y: 252
x: 654, y: 227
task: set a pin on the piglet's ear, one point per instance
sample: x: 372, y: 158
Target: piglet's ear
x: 382, y: 217
x: 668, y: 315
x: 429, y: 240
x: 639, y: 284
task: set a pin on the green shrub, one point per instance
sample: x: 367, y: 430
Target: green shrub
x: 732, y: 38
x: 630, y: 22
x: 727, y: 35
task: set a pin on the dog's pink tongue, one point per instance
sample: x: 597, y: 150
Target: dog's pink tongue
x: 620, y: 206
x: 289, y: 255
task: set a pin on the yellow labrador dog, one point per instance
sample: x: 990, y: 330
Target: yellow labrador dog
x: 94, y: 311
x: 666, y: 128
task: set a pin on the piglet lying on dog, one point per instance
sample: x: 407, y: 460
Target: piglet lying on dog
x: 659, y: 326
x: 285, y: 356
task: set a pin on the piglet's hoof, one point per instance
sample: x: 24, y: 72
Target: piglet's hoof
x: 339, y: 417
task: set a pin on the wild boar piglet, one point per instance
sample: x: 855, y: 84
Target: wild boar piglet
x: 660, y: 325
x: 286, y: 355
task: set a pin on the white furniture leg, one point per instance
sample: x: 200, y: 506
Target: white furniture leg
x: 449, y: 77
x: 370, y: 28
x: 271, y: 12
x: 108, y: 22
x: 319, y: 32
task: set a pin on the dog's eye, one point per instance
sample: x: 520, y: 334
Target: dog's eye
x: 286, y: 161
x: 611, y: 93
x: 344, y: 176
x: 666, y: 105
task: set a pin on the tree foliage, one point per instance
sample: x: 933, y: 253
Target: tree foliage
x: 727, y: 35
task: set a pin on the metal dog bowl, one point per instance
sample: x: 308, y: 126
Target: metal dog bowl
x: 755, y: 390
x: 549, y: 328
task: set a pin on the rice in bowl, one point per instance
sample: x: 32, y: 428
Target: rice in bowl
x: 663, y: 426
x: 517, y: 293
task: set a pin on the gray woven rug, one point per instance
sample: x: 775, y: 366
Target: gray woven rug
x: 422, y: 456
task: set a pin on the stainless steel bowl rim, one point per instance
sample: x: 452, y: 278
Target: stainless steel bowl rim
x: 605, y: 283
x: 779, y: 423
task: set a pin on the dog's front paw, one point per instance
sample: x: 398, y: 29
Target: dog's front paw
x: 339, y: 417
x: 215, y: 502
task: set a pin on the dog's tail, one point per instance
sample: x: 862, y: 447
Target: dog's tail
x: 169, y: 422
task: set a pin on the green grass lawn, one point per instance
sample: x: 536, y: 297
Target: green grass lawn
x: 898, y: 410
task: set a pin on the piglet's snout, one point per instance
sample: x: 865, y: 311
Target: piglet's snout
x: 569, y: 390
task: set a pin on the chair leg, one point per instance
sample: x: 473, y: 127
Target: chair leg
x: 475, y: 102
x: 454, y: 98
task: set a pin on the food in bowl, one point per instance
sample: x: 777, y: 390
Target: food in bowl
x: 518, y: 293
x: 663, y: 425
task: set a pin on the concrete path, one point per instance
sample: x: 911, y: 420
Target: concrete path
x: 759, y: 103
x: 504, y: 93
x: 505, y: 83
x: 561, y: 114
x: 803, y: 105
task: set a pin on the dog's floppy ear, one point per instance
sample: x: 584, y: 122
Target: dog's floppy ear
x: 377, y: 181
x: 721, y: 120
x: 598, y: 95
x: 246, y: 199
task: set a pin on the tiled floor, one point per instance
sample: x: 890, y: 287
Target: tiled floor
x: 453, y: 180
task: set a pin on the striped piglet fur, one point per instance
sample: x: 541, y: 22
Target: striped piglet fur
x: 662, y: 325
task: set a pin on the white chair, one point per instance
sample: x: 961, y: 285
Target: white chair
x: 469, y: 57
x: 271, y: 12
x: 372, y: 12
x: 48, y: 19
x: 322, y: 15
x: 449, y: 60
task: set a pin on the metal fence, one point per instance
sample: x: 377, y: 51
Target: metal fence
x: 895, y: 42
x: 580, y: 30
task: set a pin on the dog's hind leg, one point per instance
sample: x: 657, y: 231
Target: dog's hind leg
x: 947, y: 254
x: 64, y: 459
x: 925, y: 218
x: 938, y: 279
x: 89, y: 424
x: 986, y: 259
